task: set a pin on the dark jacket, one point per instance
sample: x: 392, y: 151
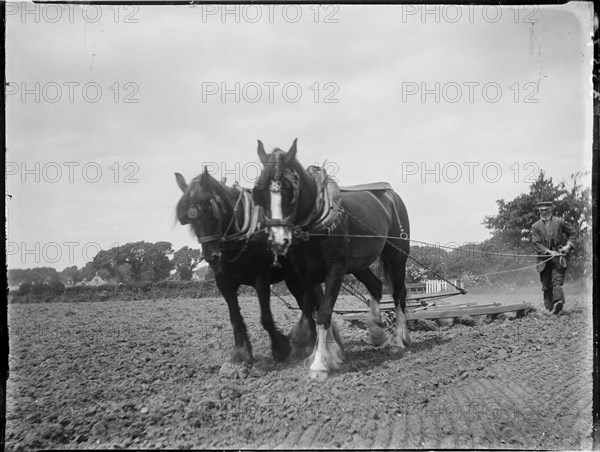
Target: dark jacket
x: 545, y: 237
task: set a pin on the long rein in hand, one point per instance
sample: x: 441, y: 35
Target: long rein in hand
x: 299, y: 232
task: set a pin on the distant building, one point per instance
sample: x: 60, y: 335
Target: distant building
x: 96, y: 281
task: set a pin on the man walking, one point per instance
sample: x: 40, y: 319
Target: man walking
x: 552, y: 237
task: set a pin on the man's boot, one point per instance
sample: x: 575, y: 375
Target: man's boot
x: 559, y: 300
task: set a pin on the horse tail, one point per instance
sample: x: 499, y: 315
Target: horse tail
x: 388, y: 272
x: 400, y: 225
x: 397, y: 248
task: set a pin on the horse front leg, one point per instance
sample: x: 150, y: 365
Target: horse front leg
x: 329, y: 353
x: 280, y: 344
x: 303, y: 334
x: 242, y: 352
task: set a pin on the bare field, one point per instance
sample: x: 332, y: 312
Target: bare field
x: 146, y: 374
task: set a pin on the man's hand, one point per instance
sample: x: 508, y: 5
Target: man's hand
x: 564, y: 250
x: 554, y: 253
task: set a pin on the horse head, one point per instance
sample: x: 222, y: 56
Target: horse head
x: 283, y: 190
x: 204, y: 207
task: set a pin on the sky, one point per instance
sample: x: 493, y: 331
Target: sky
x: 455, y: 107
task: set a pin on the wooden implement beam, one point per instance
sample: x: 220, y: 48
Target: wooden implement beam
x: 449, y: 312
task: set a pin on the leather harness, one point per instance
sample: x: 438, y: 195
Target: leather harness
x: 327, y: 208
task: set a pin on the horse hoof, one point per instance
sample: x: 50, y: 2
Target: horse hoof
x: 242, y: 355
x: 396, y: 349
x: 318, y: 375
x: 378, y: 339
x: 300, y: 353
x: 281, y: 353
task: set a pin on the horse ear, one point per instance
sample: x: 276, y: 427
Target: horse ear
x: 261, y: 152
x: 291, y: 154
x: 206, y: 177
x: 181, y: 182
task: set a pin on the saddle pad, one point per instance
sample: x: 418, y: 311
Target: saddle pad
x: 368, y: 187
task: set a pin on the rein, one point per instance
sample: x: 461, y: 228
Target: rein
x: 404, y: 236
x: 234, y: 217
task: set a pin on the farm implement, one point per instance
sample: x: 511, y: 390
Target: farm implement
x: 434, y: 307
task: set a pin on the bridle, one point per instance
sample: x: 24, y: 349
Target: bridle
x: 217, y: 210
x: 275, y: 187
x: 302, y: 228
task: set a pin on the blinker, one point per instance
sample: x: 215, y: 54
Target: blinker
x: 192, y: 212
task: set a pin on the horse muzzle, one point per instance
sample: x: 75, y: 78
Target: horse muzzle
x: 213, y: 257
x: 280, y: 235
x: 280, y: 240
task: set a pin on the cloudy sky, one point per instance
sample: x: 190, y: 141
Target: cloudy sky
x: 456, y: 107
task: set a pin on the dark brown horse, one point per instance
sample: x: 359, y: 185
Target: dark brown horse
x: 363, y: 225
x: 220, y: 216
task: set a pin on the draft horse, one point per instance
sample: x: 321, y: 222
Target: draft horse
x: 221, y: 218
x: 371, y: 223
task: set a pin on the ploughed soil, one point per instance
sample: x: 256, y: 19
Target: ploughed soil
x: 153, y: 374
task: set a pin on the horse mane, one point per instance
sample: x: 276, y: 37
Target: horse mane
x: 213, y: 186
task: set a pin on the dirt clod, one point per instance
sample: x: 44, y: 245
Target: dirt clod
x: 234, y: 371
x: 466, y: 320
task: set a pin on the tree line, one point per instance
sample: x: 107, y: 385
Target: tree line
x: 137, y: 262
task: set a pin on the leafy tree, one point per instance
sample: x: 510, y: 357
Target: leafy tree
x: 123, y: 273
x: 37, y: 275
x: 88, y: 271
x: 209, y: 275
x: 201, y: 272
x: 425, y: 262
x: 135, y: 262
x: 105, y: 264
x: 71, y: 275
x: 185, y: 261
x: 489, y: 261
x: 25, y: 288
x: 17, y: 276
x: 54, y: 287
x: 156, y: 260
x: 512, y: 225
